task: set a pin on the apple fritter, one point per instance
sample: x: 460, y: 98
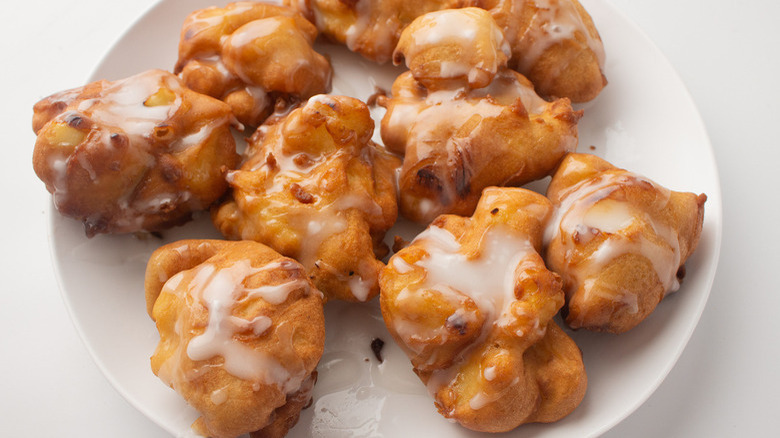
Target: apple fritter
x: 450, y: 49
x: 241, y: 332
x: 252, y: 55
x: 618, y: 240
x: 554, y: 44
x: 136, y: 154
x: 316, y: 188
x: 457, y: 139
x: 471, y: 303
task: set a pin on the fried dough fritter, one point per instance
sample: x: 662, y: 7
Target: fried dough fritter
x: 316, y: 188
x: 471, y: 303
x: 618, y: 240
x: 456, y: 139
x: 137, y: 154
x: 252, y: 55
x: 241, y: 332
x: 553, y: 42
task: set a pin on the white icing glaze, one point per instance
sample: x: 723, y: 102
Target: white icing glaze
x: 359, y: 287
x: 276, y: 294
x: 609, y: 216
x: 400, y: 265
x: 489, y: 278
x: 441, y: 26
x: 121, y: 104
x: 482, y: 399
x: 489, y: 373
x: 360, y: 26
x: 219, y: 396
x: 59, y: 165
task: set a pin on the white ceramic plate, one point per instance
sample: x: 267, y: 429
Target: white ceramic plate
x: 644, y: 121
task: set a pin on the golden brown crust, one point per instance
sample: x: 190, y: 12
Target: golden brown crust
x: 137, y: 154
x: 315, y: 187
x: 286, y: 416
x: 252, y: 55
x: 618, y: 243
x: 271, y: 317
x: 492, y: 358
x: 556, y: 363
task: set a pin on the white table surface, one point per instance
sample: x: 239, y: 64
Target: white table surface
x: 727, y: 381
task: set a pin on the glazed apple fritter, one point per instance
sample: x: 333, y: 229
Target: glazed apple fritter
x: 618, y: 240
x: 554, y: 44
x: 252, y: 55
x: 315, y: 187
x: 137, y: 154
x: 457, y: 139
x: 471, y: 303
x: 452, y: 49
x: 241, y: 332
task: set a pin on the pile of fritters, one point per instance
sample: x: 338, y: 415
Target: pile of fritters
x: 553, y: 42
x: 485, y: 107
x: 465, y: 122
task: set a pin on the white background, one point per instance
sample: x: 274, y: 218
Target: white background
x: 727, y: 381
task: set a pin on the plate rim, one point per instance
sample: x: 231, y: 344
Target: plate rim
x: 713, y: 219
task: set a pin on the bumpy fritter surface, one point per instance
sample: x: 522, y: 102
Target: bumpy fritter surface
x: 252, y: 55
x: 241, y: 332
x: 315, y: 187
x: 457, y: 139
x: 618, y: 240
x: 369, y: 27
x: 470, y: 302
x: 553, y: 42
x: 137, y: 154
